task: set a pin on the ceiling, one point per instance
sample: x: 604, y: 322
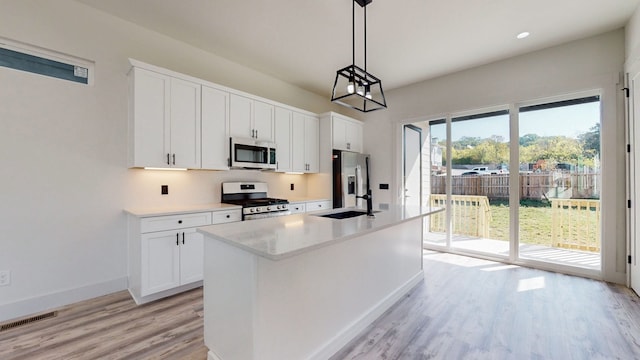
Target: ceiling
x: 304, y: 42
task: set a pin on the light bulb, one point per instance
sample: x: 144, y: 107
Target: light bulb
x: 367, y: 92
x: 350, y: 88
x: 360, y: 90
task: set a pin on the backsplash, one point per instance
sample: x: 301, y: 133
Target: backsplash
x: 200, y: 187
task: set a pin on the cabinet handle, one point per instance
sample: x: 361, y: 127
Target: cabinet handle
x: 256, y: 134
x: 168, y: 162
x: 179, y: 221
x: 174, y: 159
x: 253, y: 133
x: 177, y: 239
x: 182, y: 238
x: 228, y: 216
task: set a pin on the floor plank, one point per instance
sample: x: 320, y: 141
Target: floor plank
x: 469, y: 308
x: 466, y: 308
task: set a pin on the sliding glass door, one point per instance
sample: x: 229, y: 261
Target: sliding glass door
x: 554, y: 173
x: 560, y: 182
x: 480, y: 183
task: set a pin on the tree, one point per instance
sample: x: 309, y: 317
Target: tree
x: 590, y: 141
x: 529, y: 139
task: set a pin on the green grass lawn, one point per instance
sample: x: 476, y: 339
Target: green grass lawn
x: 536, y: 223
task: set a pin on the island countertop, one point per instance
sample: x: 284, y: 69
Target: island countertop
x: 286, y: 236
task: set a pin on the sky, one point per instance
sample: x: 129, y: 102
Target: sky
x: 567, y: 121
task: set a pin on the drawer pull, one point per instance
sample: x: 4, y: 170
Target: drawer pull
x: 228, y: 216
x: 179, y: 221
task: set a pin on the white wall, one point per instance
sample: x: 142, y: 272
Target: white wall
x: 64, y: 152
x: 593, y: 63
x: 632, y: 38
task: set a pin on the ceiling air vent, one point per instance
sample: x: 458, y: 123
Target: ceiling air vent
x: 15, y: 324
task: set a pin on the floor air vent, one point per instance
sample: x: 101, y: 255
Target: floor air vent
x: 15, y: 324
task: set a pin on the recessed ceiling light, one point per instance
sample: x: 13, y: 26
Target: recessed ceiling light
x: 523, y: 35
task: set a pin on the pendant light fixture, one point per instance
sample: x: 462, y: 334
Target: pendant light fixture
x: 354, y: 87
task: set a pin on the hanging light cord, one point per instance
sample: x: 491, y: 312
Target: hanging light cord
x: 353, y: 32
x: 365, y: 41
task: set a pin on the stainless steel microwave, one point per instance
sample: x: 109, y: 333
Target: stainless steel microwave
x: 252, y: 154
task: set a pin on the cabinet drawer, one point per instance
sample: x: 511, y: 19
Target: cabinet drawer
x: 318, y: 205
x: 171, y: 222
x: 221, y: 217
x: 297, y: 208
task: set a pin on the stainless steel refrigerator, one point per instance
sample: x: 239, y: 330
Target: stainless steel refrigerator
x: 349, y: 179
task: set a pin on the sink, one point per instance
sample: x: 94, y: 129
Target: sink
x: 345, y: 214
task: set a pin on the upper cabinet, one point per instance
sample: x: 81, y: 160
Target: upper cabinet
x: 304, y: 143
x: 297, y: 141
x: 346, y: 133
x: 165, y: 121
x: 251, y: 118
x: 338, y: 132
x: 215, y: 129
x: 283, y: 139
x: 178, y: 121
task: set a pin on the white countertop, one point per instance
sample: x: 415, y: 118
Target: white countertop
x: 177, y: 210
x: 286, y: 236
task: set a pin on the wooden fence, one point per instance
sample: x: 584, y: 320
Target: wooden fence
x: 535, y: 186
x: 471, y: 215
x: 576, y: 224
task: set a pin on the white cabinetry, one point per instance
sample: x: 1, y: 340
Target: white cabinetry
x: 346, y: 133
x: 318, y: 205
x: 297, y: 207
x: 164, y: 121
x: 304, y: 143
x: 251, y: 118
x: 215, y: 129
x: 165, y: 252
x: 283, y: 139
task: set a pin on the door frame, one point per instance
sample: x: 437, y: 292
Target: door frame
x: 404, y: 159
x: 633, y: 264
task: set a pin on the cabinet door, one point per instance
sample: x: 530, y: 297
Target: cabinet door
x: 149, y: 123
x: 240, y: 115
x: 283, y: 139
x: 312, y: 143
x: 160, y: 267
x: 353, y: 136
x: 185, y: 124
x: 298, y: 137
x: 191, y: 256
x: 263, y: 120
x: 215, y: 128
x: 339, y: 133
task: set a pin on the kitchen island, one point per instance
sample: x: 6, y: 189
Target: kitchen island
x: 302, y: 286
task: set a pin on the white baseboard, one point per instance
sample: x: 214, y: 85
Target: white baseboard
x: 47, y: 302
x: 153, y: 297
x: 353, y: 330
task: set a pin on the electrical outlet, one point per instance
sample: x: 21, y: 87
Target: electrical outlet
x: 292, y: 187
x: 164, y: 189
x: 5, y: 277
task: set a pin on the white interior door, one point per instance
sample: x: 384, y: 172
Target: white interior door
x: 634, y: 173
x: 412, y: 165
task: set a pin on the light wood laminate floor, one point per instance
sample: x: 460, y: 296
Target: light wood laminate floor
x: 466, y: 308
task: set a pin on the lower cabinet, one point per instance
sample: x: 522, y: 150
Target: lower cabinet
x: 170, y: 259
x: 298, y: 207
x: 318, y: 205
x: 166, y: 252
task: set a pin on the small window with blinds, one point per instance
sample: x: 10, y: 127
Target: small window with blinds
x: 45, y: 63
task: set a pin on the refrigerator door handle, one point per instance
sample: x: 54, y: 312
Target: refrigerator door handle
x: 359, y: 182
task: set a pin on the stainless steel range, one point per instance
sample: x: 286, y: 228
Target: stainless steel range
x: 252, y: 196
